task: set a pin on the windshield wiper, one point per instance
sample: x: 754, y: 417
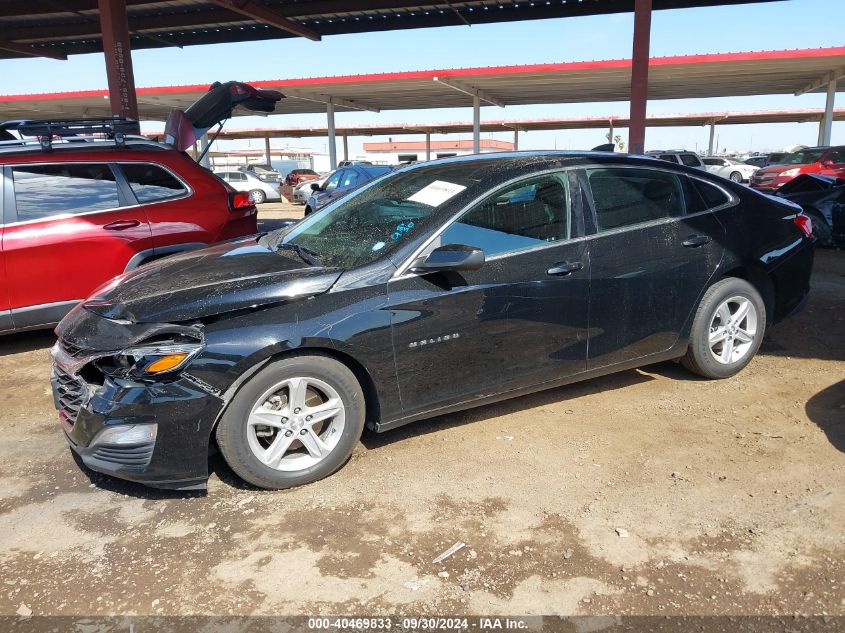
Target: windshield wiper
x: 306, y: 254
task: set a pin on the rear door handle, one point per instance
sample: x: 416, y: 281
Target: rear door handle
x: 122, y: 225
x: 694, y: 241
x: 564, y: 268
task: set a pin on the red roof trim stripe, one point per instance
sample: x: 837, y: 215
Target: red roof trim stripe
x: 608, y: 64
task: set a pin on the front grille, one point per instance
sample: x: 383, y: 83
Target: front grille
x: 70, y: 393
x: 72, y: 349
x: 138, y: 455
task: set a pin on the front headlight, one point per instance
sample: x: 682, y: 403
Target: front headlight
x: 790, y: 172
x: 148, y: 361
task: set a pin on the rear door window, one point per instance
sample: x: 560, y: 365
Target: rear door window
x: 627, y: 196
x: 43, y: 191
x: 151, y: 183
x: 702, y: 196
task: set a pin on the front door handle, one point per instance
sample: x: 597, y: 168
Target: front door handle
x: 694, y: 241
x: 564, y: 268
x: 122, y: 225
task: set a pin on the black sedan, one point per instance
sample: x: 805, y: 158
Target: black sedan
x: 438, y: 287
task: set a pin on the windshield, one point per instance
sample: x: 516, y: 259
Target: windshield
x: 376, y: 219
x: 802, y: 157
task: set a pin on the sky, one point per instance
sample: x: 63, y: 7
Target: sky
x: 786, y: 24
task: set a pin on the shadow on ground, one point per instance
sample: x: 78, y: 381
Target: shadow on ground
x: 26, y: 342
x: 619, y: 380
x: 827, y: 410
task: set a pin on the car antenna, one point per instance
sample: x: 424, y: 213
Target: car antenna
x: 213, y: 138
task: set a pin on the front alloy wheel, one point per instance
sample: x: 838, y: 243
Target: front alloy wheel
x: 296, y: 421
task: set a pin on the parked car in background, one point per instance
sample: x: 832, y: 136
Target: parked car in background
x: 82, y: 209
x: 762, y: 160
x: 823, y: 200
x: 342, y: 182
x: 679, y: 157
x: 264, y: 172
x: 260, y: 190
x: 757, y: 161
x: 827, y: 161
x: 293, y: 179
x: 445, y: 285
x: 297, y: 176
x: 347, y: 163
x: 729, y: 168
x: 304, y: 190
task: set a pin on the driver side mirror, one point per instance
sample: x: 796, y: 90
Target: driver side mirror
x: 315, y: 186
x: 449, y: 258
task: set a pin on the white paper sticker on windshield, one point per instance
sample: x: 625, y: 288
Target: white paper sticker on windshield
x: 436, y: 193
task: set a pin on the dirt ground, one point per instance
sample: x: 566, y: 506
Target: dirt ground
x: 646, y: 492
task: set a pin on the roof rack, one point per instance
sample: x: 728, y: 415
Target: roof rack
x: 116, y: 128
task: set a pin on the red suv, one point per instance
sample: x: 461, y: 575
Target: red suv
x: 828, y: 161
x: 75, y: 213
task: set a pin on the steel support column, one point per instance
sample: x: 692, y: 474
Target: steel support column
x: 332, y: 138
x: 267, y: 148
x: 428, y: 145
x: 515, y: 139
x: 639, y: 76
x: 345, y: 147
x: 712, y: 137
x: 476, y: 125
x: 610, y: 133
x: 826, y: 124
x: 114, y: 26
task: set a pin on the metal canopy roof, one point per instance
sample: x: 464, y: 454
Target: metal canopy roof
x: 534, y: 125
x: 711, y: 75
x: 57, y: 29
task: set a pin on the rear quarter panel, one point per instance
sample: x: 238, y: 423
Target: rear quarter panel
x: 201, y: 218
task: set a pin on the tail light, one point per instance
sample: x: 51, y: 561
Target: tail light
x: 804, y: 223
x: 240, y: 200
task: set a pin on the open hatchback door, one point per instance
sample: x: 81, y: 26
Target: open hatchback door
x: 184, y: 127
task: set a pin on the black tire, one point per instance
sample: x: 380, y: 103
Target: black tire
x: 258, y: 196
x: 232, y: 430
x: 822, y: 231
x: 736, y: 176
x: 699, y: 357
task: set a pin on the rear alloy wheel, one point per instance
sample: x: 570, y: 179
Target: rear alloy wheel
x: 257, y: 196
x: 736, y: 176
x: 727, y: 330
x: 295, y: 422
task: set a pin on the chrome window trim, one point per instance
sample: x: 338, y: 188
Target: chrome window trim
x: 110, y: 164
x: 402, y: 270
x: 732, y: 200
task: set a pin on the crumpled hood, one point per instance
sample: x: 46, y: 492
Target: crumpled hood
x: 223, y: 278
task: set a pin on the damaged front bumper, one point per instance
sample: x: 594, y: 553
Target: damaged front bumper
x: 155, y: 432
x: 152, y: 433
